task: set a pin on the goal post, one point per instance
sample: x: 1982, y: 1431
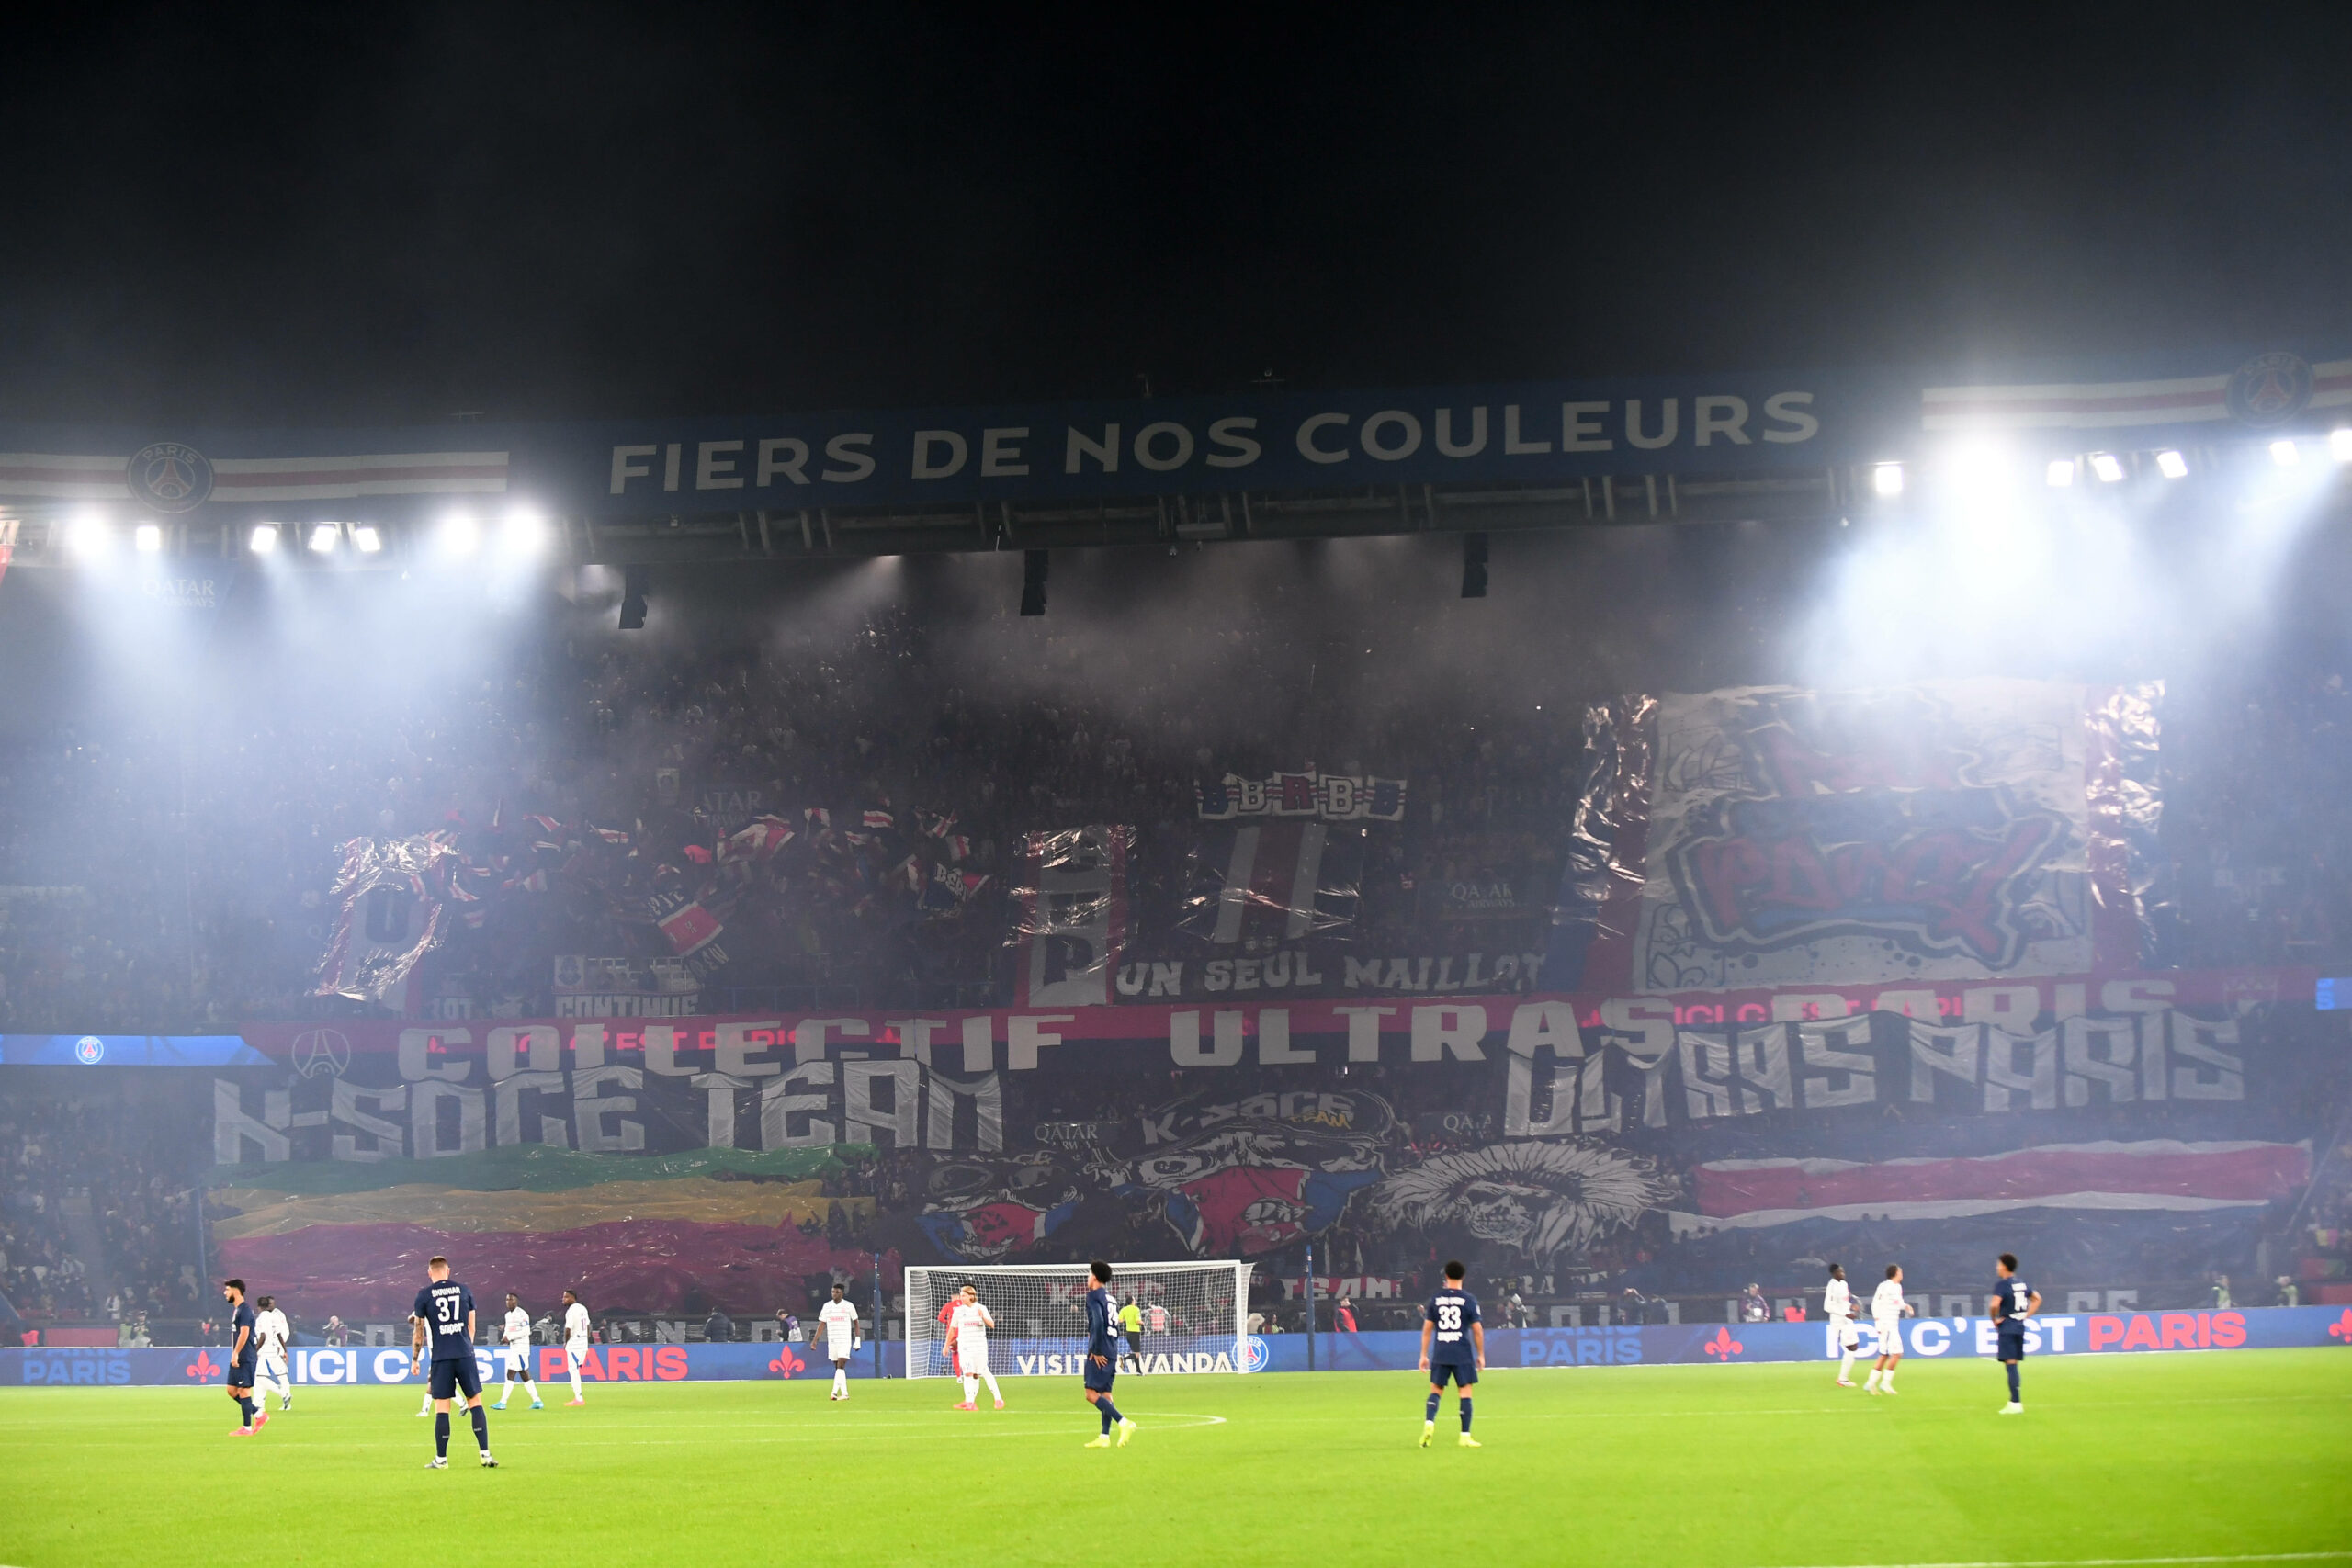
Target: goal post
x: 1199, y: 1308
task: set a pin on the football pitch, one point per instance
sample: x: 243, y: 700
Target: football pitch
x: 2241, y: 1457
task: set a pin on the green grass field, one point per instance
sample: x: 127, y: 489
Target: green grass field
x: 2158, y: 1459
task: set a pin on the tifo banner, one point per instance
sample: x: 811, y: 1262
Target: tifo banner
x: 1647, y: 1141
x: 1725, y: 1345
x: 674, y: 889
x: 1534, y: 432
x: 1264, y: 885
x: 1073, y: 915
x: 352, y: 1237
x: 1971, y: 829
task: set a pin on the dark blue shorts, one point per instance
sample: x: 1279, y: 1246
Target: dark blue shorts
x: 242, y: 1374
x: 1464, y: 1373
x: 1098, y: 1379
x: 2012, y: 1343
x: 457, y: 1373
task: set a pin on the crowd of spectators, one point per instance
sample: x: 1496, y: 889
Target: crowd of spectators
x: 153, y: 880
x: 95, y: 1217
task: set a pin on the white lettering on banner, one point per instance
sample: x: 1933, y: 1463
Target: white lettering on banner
x: 778, y: 1105
x: 425, y: 1101
x: 589, y: 1111
x: 537, y: 1046
x: 1324, y: 437
x: 345, y: 1110
x: 391, y: 1366
x: 1561, y: 1076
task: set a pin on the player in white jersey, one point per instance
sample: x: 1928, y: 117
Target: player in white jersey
x: 517, y: 1334
x: 1838, y: 1301
x: 575, y: 1341
x: 968, y: 1337
x: 273, y: 1333
x: 1888, y: 1310
x: 838, y: 1318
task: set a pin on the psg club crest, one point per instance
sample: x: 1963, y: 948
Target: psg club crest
x: 1255, y: 1354
x: 170, y: 476
x: 320, y: 1051
x: 89, y: 1050
x: 2270, y: 389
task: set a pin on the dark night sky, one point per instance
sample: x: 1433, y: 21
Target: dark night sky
x: 242, y: 217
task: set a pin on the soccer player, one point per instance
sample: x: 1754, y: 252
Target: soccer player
x: 968, y: 1337
x: 446, y: 1310
x: 274, y: 1332
x: 575, y: 1341
x: 1131, y: 1333
x: 1101, y: 1370
x: 518, y: 1353
x: 1453, y: 1344
x: 2014, y: 1301
x: 838, y: 1319
x: 1888, y: 1310
x: 1838, y: 1301
x: 244, y: 1355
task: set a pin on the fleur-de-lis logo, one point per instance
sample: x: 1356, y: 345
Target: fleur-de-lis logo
x: 786, y: 1363
x: 1722, y: 1346
x: 2342, y: 1327
x: 202, y: 1368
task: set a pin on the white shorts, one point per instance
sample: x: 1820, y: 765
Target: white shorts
x: 839, y: 1350
x: 273, y: 1364
x: 1890, y: 1336
x: 518, y: 1357
x: 575, y: 1354
x: 970, y: 1361
x: 1842, y: 1330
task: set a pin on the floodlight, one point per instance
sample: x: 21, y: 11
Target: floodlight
x: 323, y: 535
x: 2172, y: 465
x: 86, y: 534
x: 365, y: 538
x: 2339, y: 444
x: 149, y: 537
x: 460, y: 534
x: 2283, y: 453
x: 264, y: 538
x: 2061, y: 472
x: 2107, y: 467
x: 526, y: 533
x: 1887, y: 479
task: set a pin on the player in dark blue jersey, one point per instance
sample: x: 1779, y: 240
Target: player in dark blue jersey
x: 1453, y: 1344
x: 444, y: 1312
x: 1101, y: 1351
x: 244, y: 1356
x: 2014, y: 1301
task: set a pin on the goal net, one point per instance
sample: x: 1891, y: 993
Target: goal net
x: 1190, y: 1309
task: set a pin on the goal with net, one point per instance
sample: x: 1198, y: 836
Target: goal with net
x: 1193, y: 1309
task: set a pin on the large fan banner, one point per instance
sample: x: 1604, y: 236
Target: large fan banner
x: 1972, y: 829
x: 1640, y: 1140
